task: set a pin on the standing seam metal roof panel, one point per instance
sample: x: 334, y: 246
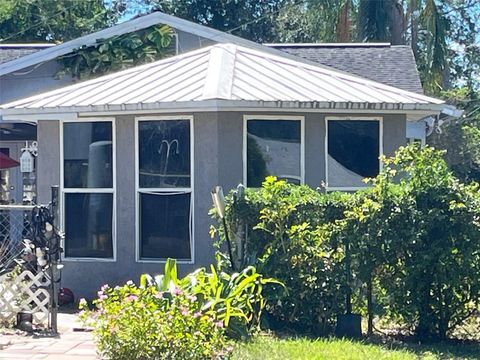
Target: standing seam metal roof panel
x: 222, y: 71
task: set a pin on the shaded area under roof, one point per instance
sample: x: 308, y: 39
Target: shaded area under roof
x: 392, y: 65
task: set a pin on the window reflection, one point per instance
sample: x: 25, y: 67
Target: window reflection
x: 273, y: 148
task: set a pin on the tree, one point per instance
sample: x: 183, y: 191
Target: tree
x: 251, y: 19
x: 55, y: 20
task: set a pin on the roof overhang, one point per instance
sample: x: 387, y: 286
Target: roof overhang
x: 413, y: 111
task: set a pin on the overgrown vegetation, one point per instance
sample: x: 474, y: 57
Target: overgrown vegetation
x: 167, y: 317
x: 412, y: 239
x: 118, y: 52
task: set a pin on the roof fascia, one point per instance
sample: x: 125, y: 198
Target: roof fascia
x: 222, y: 105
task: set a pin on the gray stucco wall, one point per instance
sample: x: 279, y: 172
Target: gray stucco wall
x: 218, y: 142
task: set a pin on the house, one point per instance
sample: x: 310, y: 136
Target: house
x: 136, y: 153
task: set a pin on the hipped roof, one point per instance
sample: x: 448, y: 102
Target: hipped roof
x: 228, y: 74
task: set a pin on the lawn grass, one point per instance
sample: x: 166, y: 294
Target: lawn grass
x: 271, y: 348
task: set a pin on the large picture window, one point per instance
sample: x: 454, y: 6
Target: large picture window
x: 273, y: 146
x: 353, y: 150
x: 88, y: 189
x: 164, y: 188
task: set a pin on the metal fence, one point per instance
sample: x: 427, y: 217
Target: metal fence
x: 29, y: 263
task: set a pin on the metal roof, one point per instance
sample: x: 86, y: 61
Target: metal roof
x: 223, y: 72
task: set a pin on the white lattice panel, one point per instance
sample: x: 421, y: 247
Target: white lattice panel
x: 26, y: 292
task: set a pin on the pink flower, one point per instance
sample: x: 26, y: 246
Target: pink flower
x: 130, y: 283
x: 219, y: 324
x: 99, y: 293
x: 177, y: 291
x: 104, y: 287
x: 192, y: 298
x: 131, y: 298
x: 102, y: 297
x: 159, y: 295
x: 184, y: 311
x: 197, y: 314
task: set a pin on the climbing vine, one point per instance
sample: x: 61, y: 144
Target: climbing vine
x: 118, y: 52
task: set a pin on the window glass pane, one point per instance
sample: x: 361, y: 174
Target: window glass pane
x: 88, y: 225
x: 165, y: 226
x: 353, y: 152
x: 273, y: 148
x: 87, y: 151
x: 164, y: 153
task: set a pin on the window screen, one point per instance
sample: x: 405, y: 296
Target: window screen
x: 353, y: 152
x: 88, y: 225
x: 87, y: 153
x: 164, y: 189
x: 165, y: 226
x: 88, y: 189
x: 164, y: 156
x: 273, y: 148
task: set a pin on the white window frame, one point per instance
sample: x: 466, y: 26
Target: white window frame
x: 246, y: 118
x: 380, y: 149
x: 186, y: 190
x: 112, y: 190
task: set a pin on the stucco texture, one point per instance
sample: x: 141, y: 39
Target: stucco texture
x: 218, y: 160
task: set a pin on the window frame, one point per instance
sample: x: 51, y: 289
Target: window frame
x: 112, y: 190
x: 380, y: 147
x: 183, y: 190
x: 247, y: 118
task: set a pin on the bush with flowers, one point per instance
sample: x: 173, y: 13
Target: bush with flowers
x: 170, y: 318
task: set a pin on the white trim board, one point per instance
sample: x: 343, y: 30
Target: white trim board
x: 139, y: 190
x: 112, y: 190
x: 380, y: 150
x: 246, y: 118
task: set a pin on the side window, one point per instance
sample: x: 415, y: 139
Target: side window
x: 164, y: 192
x: 273, y: 147
x: 353, y: 152
x: 88, y: 190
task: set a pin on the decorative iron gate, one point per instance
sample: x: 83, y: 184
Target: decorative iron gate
x: 29, y: 263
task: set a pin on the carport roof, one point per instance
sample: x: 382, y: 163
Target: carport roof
x: 223, y: 74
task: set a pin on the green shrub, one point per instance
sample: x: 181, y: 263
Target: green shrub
x: 143, y: 323
x: 285, y: 242
x: 171, y: 318
x: 413, y: 240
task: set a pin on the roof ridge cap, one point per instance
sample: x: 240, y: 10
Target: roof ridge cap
x: 220, y: 72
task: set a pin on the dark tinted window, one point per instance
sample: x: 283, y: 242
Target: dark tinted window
x: 87, y: 152
x: 165, y: 226
x: 273, y: 148
x: 88, y: 225
x: 164, y: 153
x: 353, y: 150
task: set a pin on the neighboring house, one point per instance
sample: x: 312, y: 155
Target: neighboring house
x: 136, y: 153
x: 16, y: 187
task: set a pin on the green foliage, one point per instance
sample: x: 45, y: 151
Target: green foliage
x: 285, y: 242
x: 168, y: 317
x: 237, y: 300
x: 55, y: 20
x: 412, y: 238
x: 118, y: 52
x: 416, y: 232
x: 143, y: 323
x: 246, y: 18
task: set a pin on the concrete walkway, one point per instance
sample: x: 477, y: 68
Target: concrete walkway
x: 69, y: 345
